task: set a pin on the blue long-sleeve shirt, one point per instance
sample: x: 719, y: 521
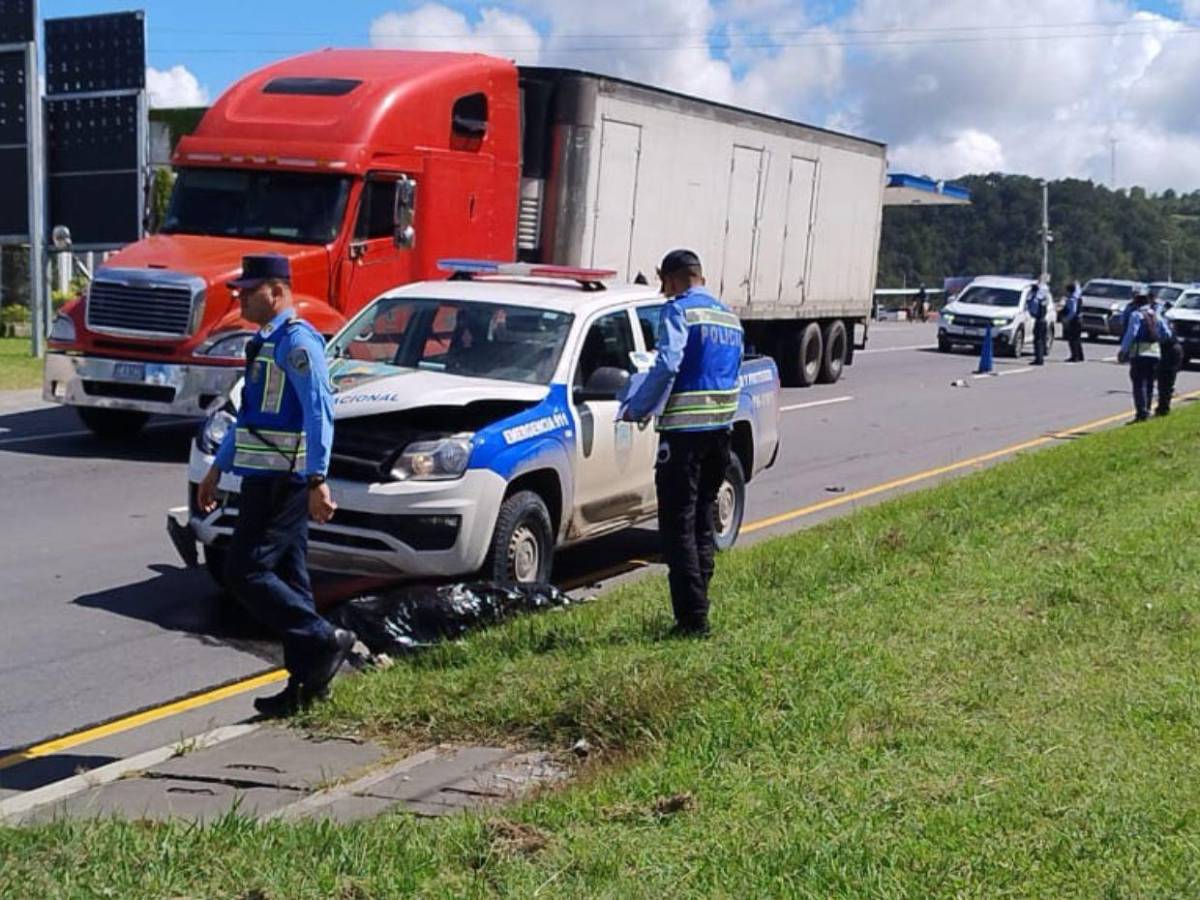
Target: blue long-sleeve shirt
x: 1135, y: 339
x: 302, y: 353
x: 1166, y: 331
x: 670, y: 342
x: 1071, y: 307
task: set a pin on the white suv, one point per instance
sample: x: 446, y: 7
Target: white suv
x: 998, y: 302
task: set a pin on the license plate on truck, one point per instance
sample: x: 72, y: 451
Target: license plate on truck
x: 129, y: 371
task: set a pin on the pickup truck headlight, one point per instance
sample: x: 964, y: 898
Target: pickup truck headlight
x: 63, y: 330
x: 948, y: 318
x: 228, y: 345
x: 438, y: 460
x: 1117, y: 307
x: 1000, y: 323
x: 214, y: 429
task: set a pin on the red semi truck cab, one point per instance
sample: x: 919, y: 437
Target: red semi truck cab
x: 362, y: 167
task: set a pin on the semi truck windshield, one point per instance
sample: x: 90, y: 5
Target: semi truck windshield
x: 282, y: 206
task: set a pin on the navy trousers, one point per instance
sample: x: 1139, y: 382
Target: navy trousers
x: 1143, y: 370
x: 267, y: 568
x: 690, y: 470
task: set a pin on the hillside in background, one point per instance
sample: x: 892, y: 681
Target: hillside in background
x: 1097, y: 232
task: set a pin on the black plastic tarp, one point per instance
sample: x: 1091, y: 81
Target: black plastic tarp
x: 408, y: 618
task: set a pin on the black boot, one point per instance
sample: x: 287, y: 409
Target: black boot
x: 315, y: 682
x: 285, y: 703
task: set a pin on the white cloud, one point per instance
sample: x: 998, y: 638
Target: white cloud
x: 953, y: 86
x: 437, y: 27
x: 175, y: 86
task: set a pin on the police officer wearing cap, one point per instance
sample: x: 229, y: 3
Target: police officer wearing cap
x: 1140, y: 348
x: 1038, y: 305
x: 1072, y: 324
x: 694, y: 381
x: 280, y: 448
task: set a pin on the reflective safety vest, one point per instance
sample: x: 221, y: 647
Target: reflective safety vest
x: 1143, y: 344
x: 270, y: 425
x: 704, y: 395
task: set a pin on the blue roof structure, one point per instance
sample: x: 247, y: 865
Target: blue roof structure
x: 916, y: 190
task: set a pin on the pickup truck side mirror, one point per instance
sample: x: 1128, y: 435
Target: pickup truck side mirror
x: 404, y: 212
x: 603, y: 384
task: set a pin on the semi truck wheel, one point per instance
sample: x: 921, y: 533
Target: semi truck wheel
x: 800, y: 356
x: 731, y: 504
x: 112, y: 423
x: 522, y: 550
x: 833, y: 357
x: 214, y: 561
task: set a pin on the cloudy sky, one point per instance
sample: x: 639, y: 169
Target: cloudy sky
x: 1042, y: 87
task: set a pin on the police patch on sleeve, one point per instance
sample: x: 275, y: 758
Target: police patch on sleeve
x: 298, y: 360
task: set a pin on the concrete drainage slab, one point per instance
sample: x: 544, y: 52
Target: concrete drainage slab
x: 274, y: 773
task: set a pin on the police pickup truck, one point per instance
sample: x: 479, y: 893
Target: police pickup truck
x: 475, y: 427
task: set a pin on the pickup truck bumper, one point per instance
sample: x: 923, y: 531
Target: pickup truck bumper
x: 417, y: 529
x: 1095, y: 321
x: 167, y: 388
x: 957, y: 334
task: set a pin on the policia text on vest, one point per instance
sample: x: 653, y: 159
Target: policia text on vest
x: 694, y: 381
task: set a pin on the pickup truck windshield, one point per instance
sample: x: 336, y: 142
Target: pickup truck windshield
x: 1165, y: 294
x: 990, y: 296
x: 1188, y: 301
x: 1108, y: 290
x: 475, y: 339
x: 238, y: 203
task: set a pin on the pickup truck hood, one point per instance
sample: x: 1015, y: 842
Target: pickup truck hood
x: 985, y: 312
x: 1184, y: 315
x: 367, y: 389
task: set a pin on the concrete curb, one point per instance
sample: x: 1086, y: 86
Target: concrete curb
x: 301, y: 808
x: 61, y: 790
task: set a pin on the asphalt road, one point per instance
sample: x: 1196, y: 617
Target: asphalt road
x: 101, y: 619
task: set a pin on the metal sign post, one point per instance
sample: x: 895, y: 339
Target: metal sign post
x: 39, y: 296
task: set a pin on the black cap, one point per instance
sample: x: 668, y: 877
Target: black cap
x: 260, y: 267
x: 677, y: 260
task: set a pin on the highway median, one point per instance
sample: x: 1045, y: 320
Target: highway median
x: 986, y: 688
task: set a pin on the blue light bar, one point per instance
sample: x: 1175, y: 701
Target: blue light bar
x: 482, y: 266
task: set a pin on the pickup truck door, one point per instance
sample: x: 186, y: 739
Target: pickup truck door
x: 614, y: 465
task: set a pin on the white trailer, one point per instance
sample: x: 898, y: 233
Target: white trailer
x: 785, y: 217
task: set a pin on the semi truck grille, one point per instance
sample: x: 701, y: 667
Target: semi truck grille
x: 141, y: 306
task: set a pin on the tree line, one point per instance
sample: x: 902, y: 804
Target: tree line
x: 1097, y: 232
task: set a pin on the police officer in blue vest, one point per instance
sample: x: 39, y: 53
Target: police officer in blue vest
x: 1072, y: 324
x: 1140, y: 348
x: 694, y: 382
x: 1170, y: 360
x: 1038, y: 305
x: 280, y: 448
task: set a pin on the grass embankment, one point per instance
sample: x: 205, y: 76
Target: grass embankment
x: 19, y: 368
x: 986, y: 689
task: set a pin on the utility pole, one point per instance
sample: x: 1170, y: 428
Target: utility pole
x: 1046, y: 237
x: 1112, y: 163
x: 1169, y: 272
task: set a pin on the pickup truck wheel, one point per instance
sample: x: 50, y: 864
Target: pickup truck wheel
x: 214, y: 561
x: 1018, y: 343
x: 112, y: 423
x: 944, y: 345
x: 522, y: 549
x: 1093, y: 336
x: 833, y: 356
x: 731, y: 505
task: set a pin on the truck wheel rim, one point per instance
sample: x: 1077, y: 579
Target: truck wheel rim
x: 524, y: 556
x: 726, y: 505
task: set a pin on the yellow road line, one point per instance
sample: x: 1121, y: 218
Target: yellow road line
x: 240, y: 687
x: 145, y: 717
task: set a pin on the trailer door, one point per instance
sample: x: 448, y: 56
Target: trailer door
x: 616, y: 195
x: 741, y: 225
x: 797, y: 234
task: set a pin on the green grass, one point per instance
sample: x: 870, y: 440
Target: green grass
x: 988, y: 689
x: 19, y: 368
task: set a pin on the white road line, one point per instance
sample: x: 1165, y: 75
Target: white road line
x: 814, y: 403
x: 1108, y: 359
x: 897, y: 349
x: 1006, y: 372
x: 55, y: 435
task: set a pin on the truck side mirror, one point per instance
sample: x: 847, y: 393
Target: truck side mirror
x: 603, y: 384
x: 404, y: 212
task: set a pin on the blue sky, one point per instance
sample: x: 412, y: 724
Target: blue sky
x: 953, y: 86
